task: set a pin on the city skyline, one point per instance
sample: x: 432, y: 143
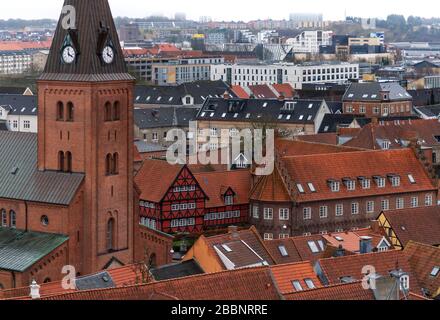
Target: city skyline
x: 196, y: 9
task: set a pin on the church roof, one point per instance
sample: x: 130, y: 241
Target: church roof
x: 21, y: 179
x: 91, y: 16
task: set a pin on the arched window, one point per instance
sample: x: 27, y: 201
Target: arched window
x: 108, y: 164
x: 61, y: 161
x: 152, y: 261
x: 115, y: 168
x: 110, y: 241
x: 60, y: 111
x: 47, y: 280
x: 4, y: 218
x: 116, y: 111
x: 68, y: 161
x: 108, y: 112
x: 70, y: 111
x: 12, y: 219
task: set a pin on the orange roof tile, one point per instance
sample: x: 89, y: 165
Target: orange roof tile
x: 423, y: 259
x: 346, y: 291
x: 284, y: 276
x: 216, y: 183
x: 262, y: 92
x: 285, y: 89
x: 23, y: 45
x: 351, y: 266
x: 240, y: 92
x: 155, y: 178
x: 270, y: 189
x: 417, y: 224
x: 286, y: 147
x: 318, y: 169
x: 325, y: 138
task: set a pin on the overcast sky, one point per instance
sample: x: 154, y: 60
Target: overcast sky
x: 232, y: 9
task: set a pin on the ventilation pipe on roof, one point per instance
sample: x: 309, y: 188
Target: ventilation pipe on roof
x: 35, y: 290
x: 233, y: 231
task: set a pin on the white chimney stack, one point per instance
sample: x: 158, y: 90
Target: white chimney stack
x: 35, y: 290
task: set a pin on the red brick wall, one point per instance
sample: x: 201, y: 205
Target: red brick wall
x: 153, y: 243
x: 369, y: 108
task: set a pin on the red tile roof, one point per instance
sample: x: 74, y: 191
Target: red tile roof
x: 326, y: 138
x: 262, y: 92
x: 286, y: 148
x: 285, y: 89
x: 270, y: 189
x: 318, y: 169
x: 334, y: 269
x: 155, y: 178
x: 417, y: 224
x: 216, y: 183
x: 346, y: 291
x: 284, y: 276
x: 423, y: 259
x: 351, y: 240
x: 23, y: 45
x: 243, y: 284
x: 240, y: 92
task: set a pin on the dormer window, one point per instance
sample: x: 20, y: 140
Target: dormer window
x: 386, y: 145
x: 380, y: 181
x: 229, y: 200
x: 289, y: 106
x: 365, y: 182
x: 350, y: 184
x: 334, y: 185
x: 395, y: 180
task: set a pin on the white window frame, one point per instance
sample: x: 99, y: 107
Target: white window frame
x: 339, y: 210
x: 323, y: 212
x: 284, y: 214
x: 400, y: 203
x: 370, y: 206
x: 354, y: 205
x: 307, y: 213
x: 268, y: 213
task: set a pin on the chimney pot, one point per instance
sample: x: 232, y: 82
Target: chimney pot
x: 233, y: 231
x: 35, y: 290
x: 365, y: 245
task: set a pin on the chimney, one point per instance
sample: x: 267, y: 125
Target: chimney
x: 375, y: 226
x: 35, y: 290
x: 226, y: 95
x: 365, y: 245
x: 281, y: 97
x: 233, y: 231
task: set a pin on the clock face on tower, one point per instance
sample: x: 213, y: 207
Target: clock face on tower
x: 108, y: 54
x: 69, y: 55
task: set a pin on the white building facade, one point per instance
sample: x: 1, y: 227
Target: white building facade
x: 310, y: 41
x: 295, y: 75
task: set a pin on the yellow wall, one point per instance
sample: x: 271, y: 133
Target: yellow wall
x: 206, y: 258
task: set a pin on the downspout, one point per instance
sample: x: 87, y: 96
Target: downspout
x: 26, y: 216
x: 14, y: 283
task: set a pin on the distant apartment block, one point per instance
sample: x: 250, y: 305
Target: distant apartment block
x: 310, y: 41
x: 296, y: 75
x: 15, y: 62
x: 18, y: 113
x: 307, y: 20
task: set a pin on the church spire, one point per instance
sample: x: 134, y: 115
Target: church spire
x: 86, y: 45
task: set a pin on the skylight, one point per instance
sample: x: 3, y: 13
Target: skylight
x: 280, y: 117
x: 309, y: 283
x: 203, y: 114
x: 301, y: 117
x: 283, y: 251
x: 265, y: 105
x: 309, y: 118
x: 321, y: 245
x: 311, y: 187
x: 351, y: 95
x: 224, y: 115
x: 300, y: 188
x: 411, y: 179
x: 435, y: 271
x: 227, y: 249
x: 297, y: 285
x: 313, y: 247
x: 339, y: 238
x: 365, y: 96
x: 236, y: 115
x: 311, y: 106
x: 288, y: 117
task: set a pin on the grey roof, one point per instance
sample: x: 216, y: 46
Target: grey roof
x: 370, y: 91
x: 21, y: 179
x: 173, y: 95
x: 331, y: 122
x: 429, y: 111
x: 144, y: 147
x: 335, y: 106
x: 3, y: 126
x: 19, y: 104
x: 91, y: 17
x: 12, y: 90
x: 259, y: 110
x: 19, y: 250
x: 178, y: 270
x: 100, y: 280
x: 164, y: 117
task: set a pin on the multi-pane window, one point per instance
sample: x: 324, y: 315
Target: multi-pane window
x: 268, y: 214
x: 351, y: 185
x: 229, y: 200
x: 385, y: 205
x: 380, y: 182
x: 334, y: 186
x: 370, y: 206
x: 255, y: 212
x: 4, y: 218
x: 307, y: 213
x: 339, y: 210
x: 414, y: 202
x: 428, y: 200
x: 355, y: 208
x: 26, y: 124
x: 12, y: 219
x: 284, y: 214
x: 323, y: 212
x: 400, y: 203
x: 268, y: 236
x: 366, y: 183
x: 395, y: 181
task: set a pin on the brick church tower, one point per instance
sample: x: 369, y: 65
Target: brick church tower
x: 85, y: 125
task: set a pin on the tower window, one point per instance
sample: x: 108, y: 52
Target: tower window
x: 112, y: 164
x: 110, y: 235
x: 4, y: 218
x: 116, y: 111
x: 68, y: 161
x: 61, y: 161
x: 60, y: 111
x: 70, y: 112
x: 108, y: 111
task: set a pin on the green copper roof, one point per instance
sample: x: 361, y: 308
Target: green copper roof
x: 19, y: 250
